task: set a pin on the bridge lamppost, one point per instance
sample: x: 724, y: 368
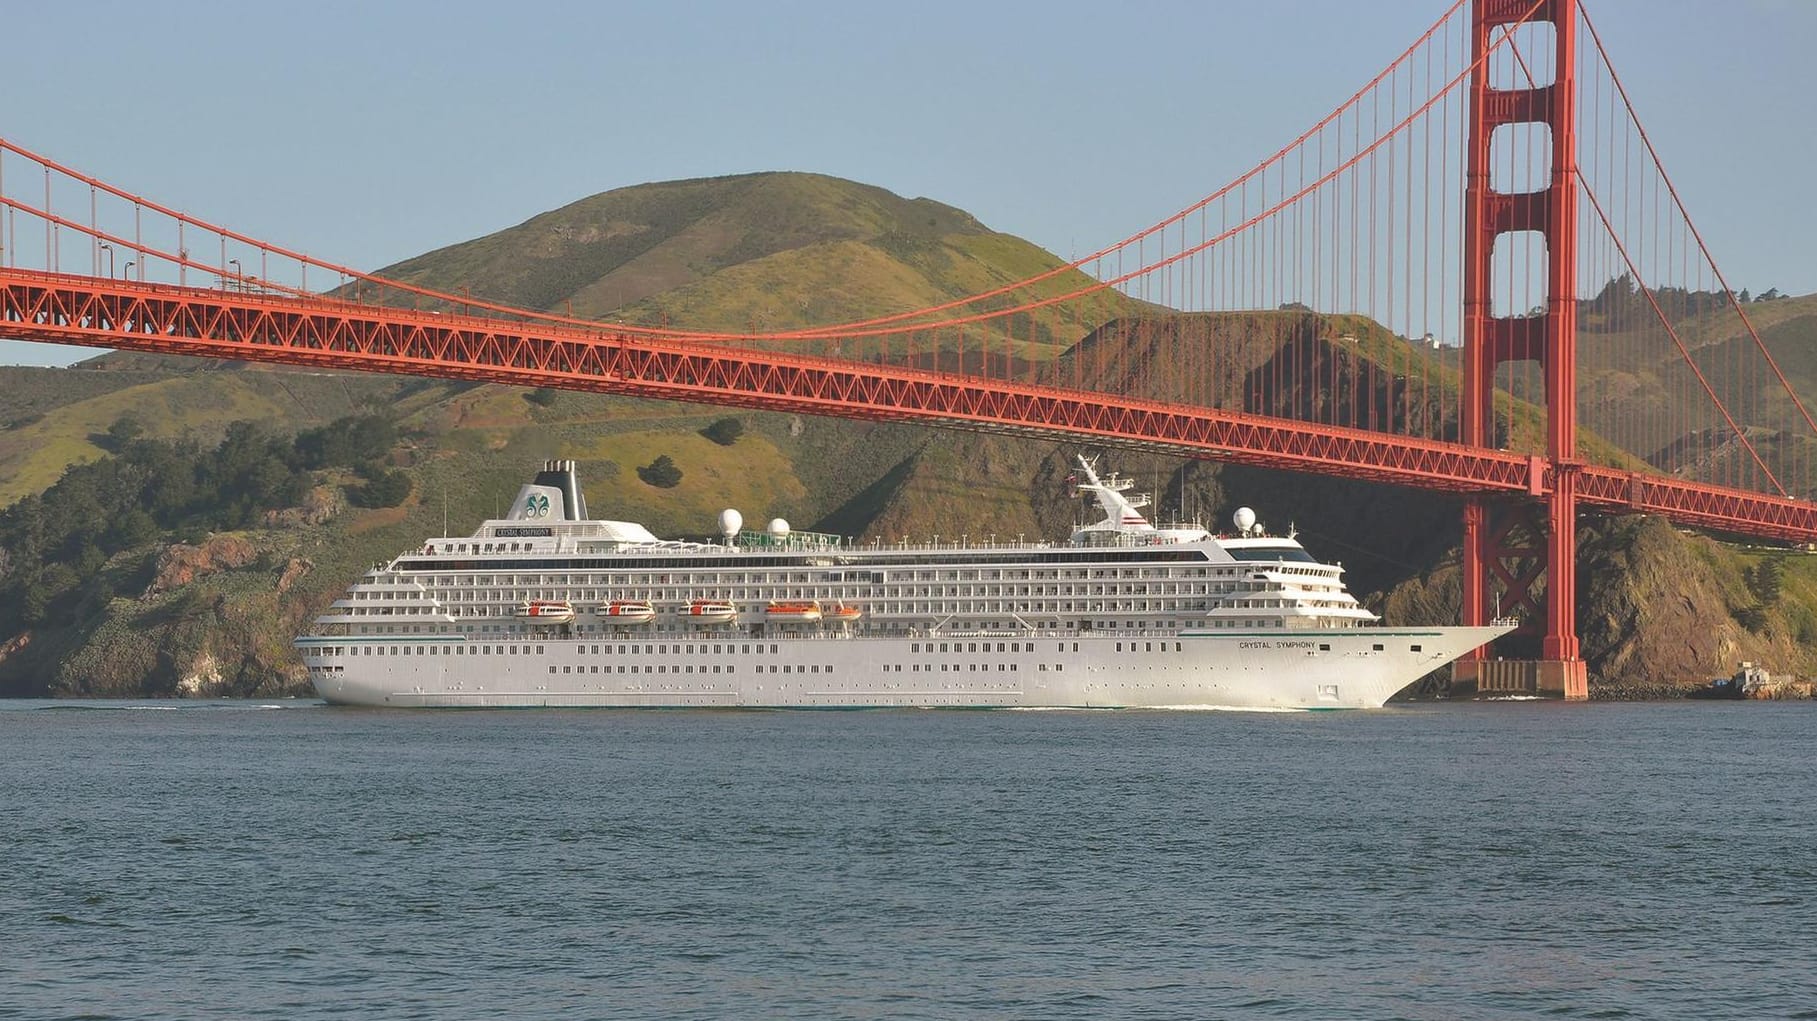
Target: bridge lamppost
x: 110, y: 257
x: 239, y: 271
x: 126, y: 270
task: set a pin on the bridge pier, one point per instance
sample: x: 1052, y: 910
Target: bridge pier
x: 1519, y: 561
x: 1539, y: 678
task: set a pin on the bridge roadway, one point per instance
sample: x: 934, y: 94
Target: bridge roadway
x: 348, y: 336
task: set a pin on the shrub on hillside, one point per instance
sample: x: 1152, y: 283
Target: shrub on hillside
x: 542, y: 396
x: 121, y: 434
x: 660, y: 473
x: 1751, y: 617
x: 350, y: 440
x: 724, y: 432
x: 386, y: 488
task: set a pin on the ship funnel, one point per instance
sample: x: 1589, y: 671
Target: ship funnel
x: 561, y: 476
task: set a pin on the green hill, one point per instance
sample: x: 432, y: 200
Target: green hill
x: 1633, y: 383
x: 750, y: 253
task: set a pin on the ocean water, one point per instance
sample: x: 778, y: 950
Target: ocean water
x: 290, y: 860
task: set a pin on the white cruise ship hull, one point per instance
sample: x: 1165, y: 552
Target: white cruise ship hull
x: 1312, y: 669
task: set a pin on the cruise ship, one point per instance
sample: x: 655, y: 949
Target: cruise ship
x: 550, y: 607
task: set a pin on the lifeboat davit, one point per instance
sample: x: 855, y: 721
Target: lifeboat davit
x: 548, y: 611
x: 792, y: 613
x: 842, y: 614
x: 710, y: 611
x: 628, y: 611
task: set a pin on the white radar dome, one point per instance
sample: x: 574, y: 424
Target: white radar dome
x: 1244, y: 519
x: 779, y: 527
x: 730, y: 521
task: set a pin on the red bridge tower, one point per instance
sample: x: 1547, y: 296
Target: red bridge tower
x: 1526, y: 550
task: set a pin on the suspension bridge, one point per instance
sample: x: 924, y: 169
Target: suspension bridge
x: 1474, y: 276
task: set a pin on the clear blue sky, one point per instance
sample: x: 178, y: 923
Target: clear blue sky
x: 365, y: 133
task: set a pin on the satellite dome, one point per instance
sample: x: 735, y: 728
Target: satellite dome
x: 779, y: 527
x: 1244, y: 519
x: 730, y: 521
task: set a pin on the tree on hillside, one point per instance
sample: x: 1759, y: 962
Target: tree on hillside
x: 661, y: 473
x: 724, y: 432
x: 385, y: 488
x: 542, y: 396
x: 1765, y: 580
x: 125, y: 429
x: 346, y: 441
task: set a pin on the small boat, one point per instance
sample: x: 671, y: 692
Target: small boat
x: 549, y: 611
x: 792, y: 613
x: 710, y: 611
x: 840, y: 613
x: 628, y: 611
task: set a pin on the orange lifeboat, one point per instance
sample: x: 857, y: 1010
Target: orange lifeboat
x: 628, y: 611
x: 842, y: 614
x: 549, y: 611
x: 792, y: 613
x: 710, y: 611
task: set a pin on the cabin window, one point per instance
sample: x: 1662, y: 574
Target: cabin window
x: 1377, y: 647
x: 1413, y: 648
